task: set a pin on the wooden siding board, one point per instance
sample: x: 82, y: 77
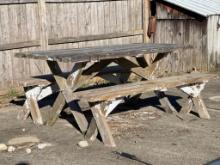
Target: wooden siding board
x: 188, y: 32
x: 213, y: 43
x: 183, y: 29
x: 10, y: 2
x: 218, y: 43
x: 204, y: 47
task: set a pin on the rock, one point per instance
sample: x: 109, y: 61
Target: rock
x: 215, y: 98
x: 83, y: 144
x: 23, y: 140
x: 43, y: 145
x: 28, y: 150
x: 151, y: 117
x: 3, y: 147
x: 11, y: 149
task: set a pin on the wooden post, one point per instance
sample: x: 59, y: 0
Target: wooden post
x: 31, y: 105
x: 146, y: 16
x: 194, y: 94
x: 56, y: 110
x: 42, y: 13
x: 200, y: 107
x: 67, y: 91
x: 164, y: 101
x: 103, y: 126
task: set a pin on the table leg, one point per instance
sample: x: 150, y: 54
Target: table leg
x: 194, y: 94
x: 107, y: 108
x: 56, y: 110
x: 200, y: 107
x: 31, y: 105
x: 187, y: 107
x: 67, y: 93
x: 164, y: 101
x: 103, y: 126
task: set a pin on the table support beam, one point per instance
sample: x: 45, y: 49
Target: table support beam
x: 103, y: 126
x: 194, y: 94
x: 67, y: 92
x: 164, y: 101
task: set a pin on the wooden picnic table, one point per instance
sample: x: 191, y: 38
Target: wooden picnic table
x: 90, y: 62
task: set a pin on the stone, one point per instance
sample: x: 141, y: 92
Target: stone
x: 3, y: 147
x: 83, y: 144
x: 43, y: 145
x: 151, y: 117
x: 11, y: 149
x: 23, y: 140
x: 215, y: 98
x: 28, y: 150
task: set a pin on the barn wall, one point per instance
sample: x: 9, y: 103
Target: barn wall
x: 20, y: 30
x: 214, y: 42
x: 179, y: 28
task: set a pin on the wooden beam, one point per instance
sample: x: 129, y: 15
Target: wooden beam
x: 67, y: 91
x: 92, y: 131
x: 110, y: 78
x: 95, y: 68
x: 194, y: 94
x: 8, y: 2
x: 132, y: 66
x: 18, y: 45
x: 79, y: 1
x: 43, y: 33
x: 72, y: 82
x: 64, y: 40
x: 73, y: 78
x: 164, y: 101
x: 103, y: 126
x: 146, y: 16
x: 187, y: 107
x: 109, y: 107
x: 93, y: 71
x: 146, y: 60
x: 200, y: 107
x: 119, y: 91
x: 32, y: 107
x: 35, y: 111
x: 56, y: 110
x: 39, y: 93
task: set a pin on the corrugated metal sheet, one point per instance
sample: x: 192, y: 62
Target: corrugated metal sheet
x: 201, y: 7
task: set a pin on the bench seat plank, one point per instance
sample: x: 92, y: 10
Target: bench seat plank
x: 117, y: 91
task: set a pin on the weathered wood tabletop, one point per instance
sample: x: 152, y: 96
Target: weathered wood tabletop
x: 99, y: 53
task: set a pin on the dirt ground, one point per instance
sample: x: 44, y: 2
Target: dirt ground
x: 144, y: 136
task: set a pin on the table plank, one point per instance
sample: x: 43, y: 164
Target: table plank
x: 99, y: 53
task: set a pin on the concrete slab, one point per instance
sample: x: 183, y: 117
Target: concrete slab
x: 164, y: 139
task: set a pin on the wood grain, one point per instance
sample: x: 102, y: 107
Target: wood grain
x: 117, y: 91
x: 21, y: 24
x: 99, y: 53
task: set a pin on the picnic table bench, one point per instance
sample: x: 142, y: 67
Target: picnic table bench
x: 90, y: 62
